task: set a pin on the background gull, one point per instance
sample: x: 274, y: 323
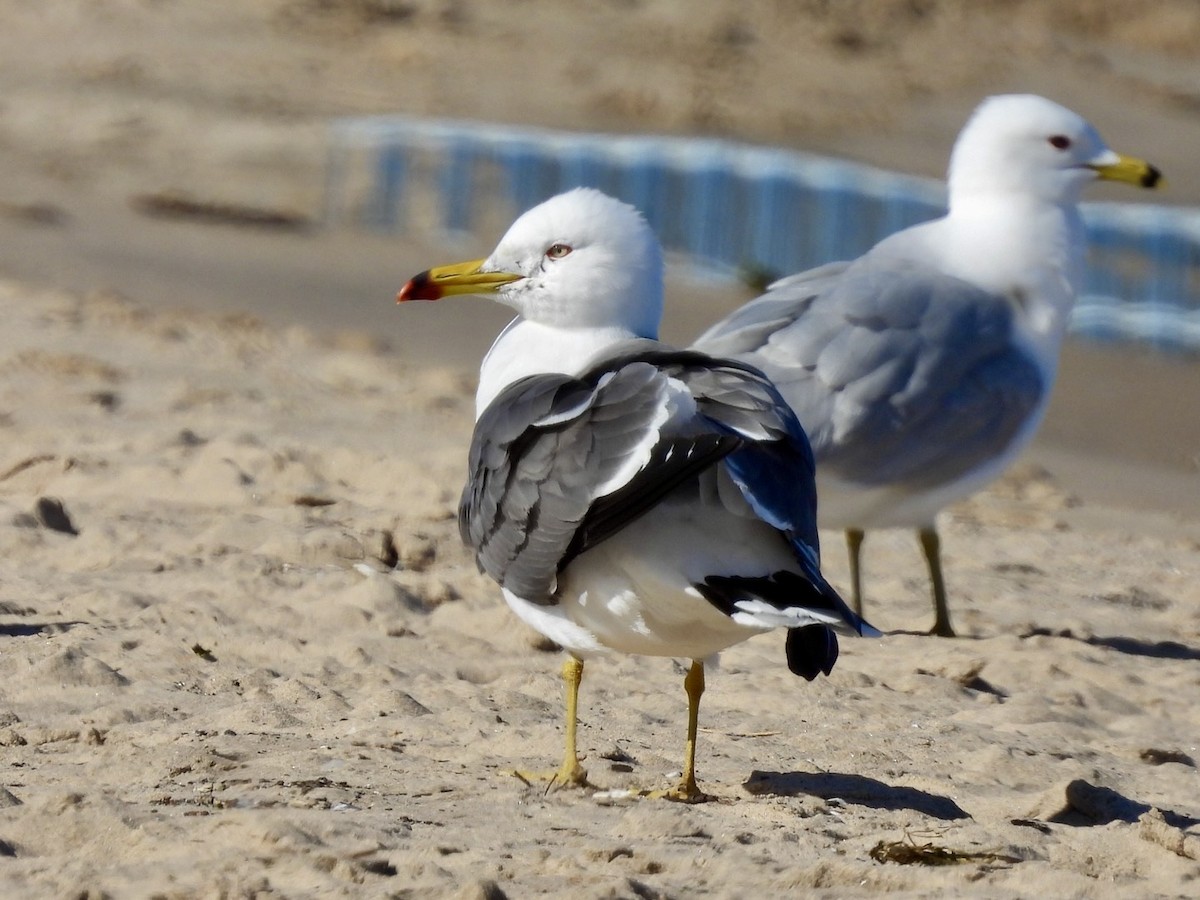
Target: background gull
x: 921, y: 369
x: 627, y: 496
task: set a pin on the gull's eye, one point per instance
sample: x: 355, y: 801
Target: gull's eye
x: 558, y: 251
x: 1059, y: 141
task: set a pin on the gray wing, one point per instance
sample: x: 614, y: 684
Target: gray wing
x: 899, y: 373
x: 557, y: 464
x: 749, y: 327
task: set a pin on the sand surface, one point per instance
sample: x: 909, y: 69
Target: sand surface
x: 242, y: 652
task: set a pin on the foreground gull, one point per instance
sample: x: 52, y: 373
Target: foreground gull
x: 627, y: 496
x: 922, y: 368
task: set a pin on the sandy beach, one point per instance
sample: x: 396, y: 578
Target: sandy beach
x: 242, y: 651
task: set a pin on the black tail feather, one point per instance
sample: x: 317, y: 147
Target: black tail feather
x: 782, y: 589
x: 811, y: 650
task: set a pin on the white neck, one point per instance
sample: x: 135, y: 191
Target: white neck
x: 1024, y: 248
x: 528, y: 348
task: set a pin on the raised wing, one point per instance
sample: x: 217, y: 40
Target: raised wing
x: 558, y: 464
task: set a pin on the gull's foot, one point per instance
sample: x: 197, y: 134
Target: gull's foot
x: 684, y: 792
x: 566, y: 776
x: 942, y: 629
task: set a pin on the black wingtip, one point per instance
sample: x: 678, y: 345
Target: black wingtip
x: 811, y: 650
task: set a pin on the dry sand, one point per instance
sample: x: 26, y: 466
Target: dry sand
x: 264, y: 666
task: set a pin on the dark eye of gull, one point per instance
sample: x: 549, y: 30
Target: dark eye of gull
x: 1059, y: 142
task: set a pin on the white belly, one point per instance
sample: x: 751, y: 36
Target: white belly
x: 633, y: 593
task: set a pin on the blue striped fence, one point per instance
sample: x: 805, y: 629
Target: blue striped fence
x: 733, y: 207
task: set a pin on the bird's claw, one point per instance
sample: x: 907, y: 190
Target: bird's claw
x: 564, y: 777
x: 684, y: 792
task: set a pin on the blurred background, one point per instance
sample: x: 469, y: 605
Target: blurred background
x: 210, y: 154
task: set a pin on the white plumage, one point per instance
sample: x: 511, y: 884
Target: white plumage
x: 627, y: 496
x: 921, y: 369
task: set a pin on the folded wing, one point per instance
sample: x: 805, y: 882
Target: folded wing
x: 559, y: 464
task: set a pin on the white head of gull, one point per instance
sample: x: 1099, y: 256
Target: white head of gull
x: 922, y: 368
x: 627, y: 496
x: 1023, y: 145
x: 582, y: 270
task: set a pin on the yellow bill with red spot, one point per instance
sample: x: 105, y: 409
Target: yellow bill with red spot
x: 459, y: 278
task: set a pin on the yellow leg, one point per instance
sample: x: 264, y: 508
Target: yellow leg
x: 931, y: 545
x: 854, y: 542
x: 687, y: 791
x: 570, y: 773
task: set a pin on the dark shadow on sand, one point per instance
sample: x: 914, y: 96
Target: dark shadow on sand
x: 1089, y: 805
x: 856, y: 789
x: 30, y: 629
x: 1127, y: 645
